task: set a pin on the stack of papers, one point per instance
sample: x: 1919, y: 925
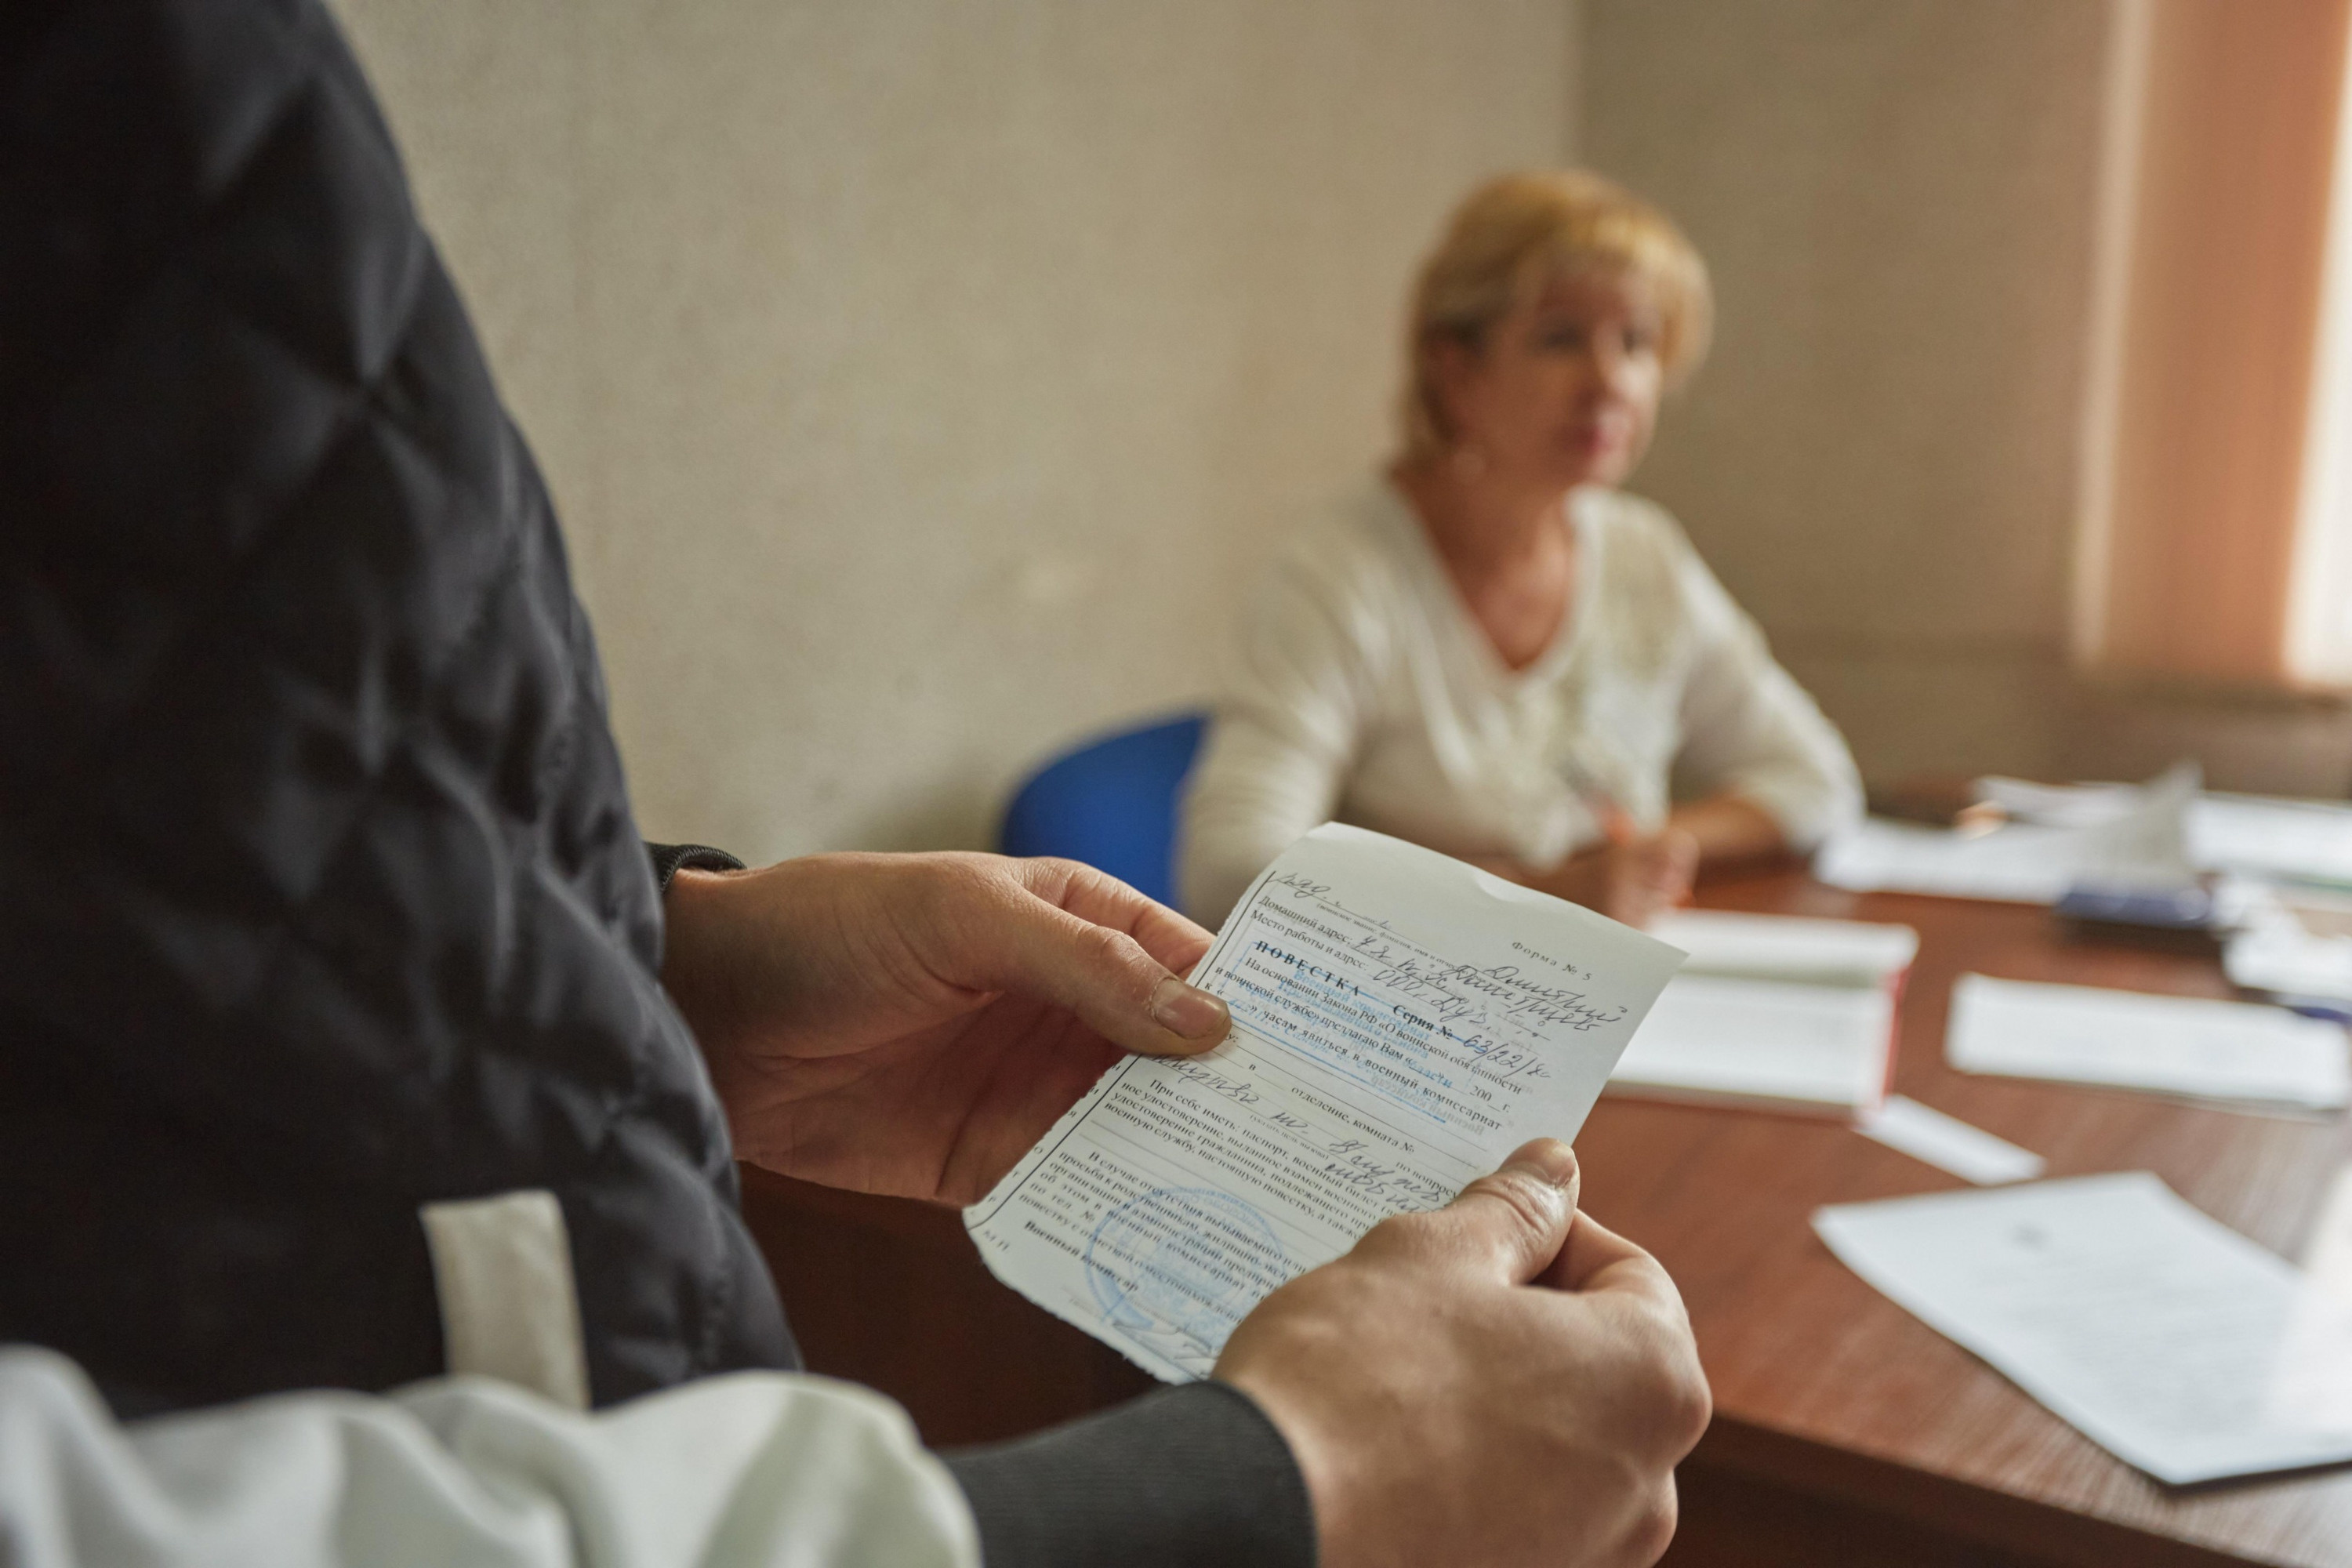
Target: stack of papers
x: 2168, y: 1339
x: 2110, y: 835
x: 2266, y: 837
x: 2294, y: 940
x: 2275, y: 953
x: 2023, y: 863
x: 1772, y: 1011
x: 1401, y: 1021
x: 2232, y: 1051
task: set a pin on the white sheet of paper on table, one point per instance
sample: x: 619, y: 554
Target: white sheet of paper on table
x: 1780, y: 1012
x: 2316, y: 1370
x: 2305, y: 840
x: 2165, y: 1337
x: 1947, y: 1143
x: 1401, y: 1021
x: 2326, y: 1253
x: 1797, y: 948
x: 1808, y: 1049
x: 2187, y: 1045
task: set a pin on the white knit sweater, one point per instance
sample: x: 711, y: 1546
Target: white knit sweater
x: 754, y: 1469
x: 1361, y: 689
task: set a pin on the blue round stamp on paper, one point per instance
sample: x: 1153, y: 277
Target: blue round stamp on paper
x: 1177, y: 1268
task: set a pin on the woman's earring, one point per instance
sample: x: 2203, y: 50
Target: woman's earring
x: 1468, y: 463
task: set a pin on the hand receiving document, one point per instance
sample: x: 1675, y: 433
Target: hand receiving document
x: 1401, y: 1021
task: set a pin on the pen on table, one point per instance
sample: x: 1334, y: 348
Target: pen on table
x: 1616, y: 822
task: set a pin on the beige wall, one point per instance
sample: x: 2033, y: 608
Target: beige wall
x: 917, y: 379
x: 1896, y: 197
x: 1899, y: 200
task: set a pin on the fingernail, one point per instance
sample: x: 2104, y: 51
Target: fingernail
x: 1190, y: 1012
x: 1549, y: 1158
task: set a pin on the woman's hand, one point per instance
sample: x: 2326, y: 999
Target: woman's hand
x: 911, y: 1024
x: 1634, y: 877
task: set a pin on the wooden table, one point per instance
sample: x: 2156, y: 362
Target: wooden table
x: 1846, y: 1431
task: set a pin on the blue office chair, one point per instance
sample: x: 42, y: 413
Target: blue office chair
x: 1111, y: 802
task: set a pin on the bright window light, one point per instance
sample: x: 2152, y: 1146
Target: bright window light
x: 2319, y: 609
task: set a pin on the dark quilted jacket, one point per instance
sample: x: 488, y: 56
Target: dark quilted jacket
x: 319, y: 897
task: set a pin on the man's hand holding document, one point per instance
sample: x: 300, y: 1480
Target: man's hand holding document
x: 1401, y: 1021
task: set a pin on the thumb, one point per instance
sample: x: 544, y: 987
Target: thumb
x: 1114, y: 986
x: 1517, y: 1219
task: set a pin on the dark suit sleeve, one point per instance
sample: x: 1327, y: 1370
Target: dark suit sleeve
x: 1187, y: 1478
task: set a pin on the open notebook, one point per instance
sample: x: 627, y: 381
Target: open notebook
x: 1774, y: 1011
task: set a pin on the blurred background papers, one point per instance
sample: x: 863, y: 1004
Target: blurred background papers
x: 1777, y: 1011
x: 2058, y: 837
x: 2270, y: 879
x: 2260, y: 836
x: 2239, y: 1052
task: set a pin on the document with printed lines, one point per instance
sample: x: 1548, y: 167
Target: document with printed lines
x: 1401, y: 1021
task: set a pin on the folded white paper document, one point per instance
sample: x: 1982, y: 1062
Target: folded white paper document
x: 2168, y: 1045
x: 1401, y: 1021
x: 2165, y: 1337
x: 1773, y: 1011
x: 1817, y: 1048
x: 1947, y: 1143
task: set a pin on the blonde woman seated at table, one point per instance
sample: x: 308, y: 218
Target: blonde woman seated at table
x: 1498, y: 652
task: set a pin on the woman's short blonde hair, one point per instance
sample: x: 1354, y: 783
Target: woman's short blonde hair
x: 1513, y: 235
